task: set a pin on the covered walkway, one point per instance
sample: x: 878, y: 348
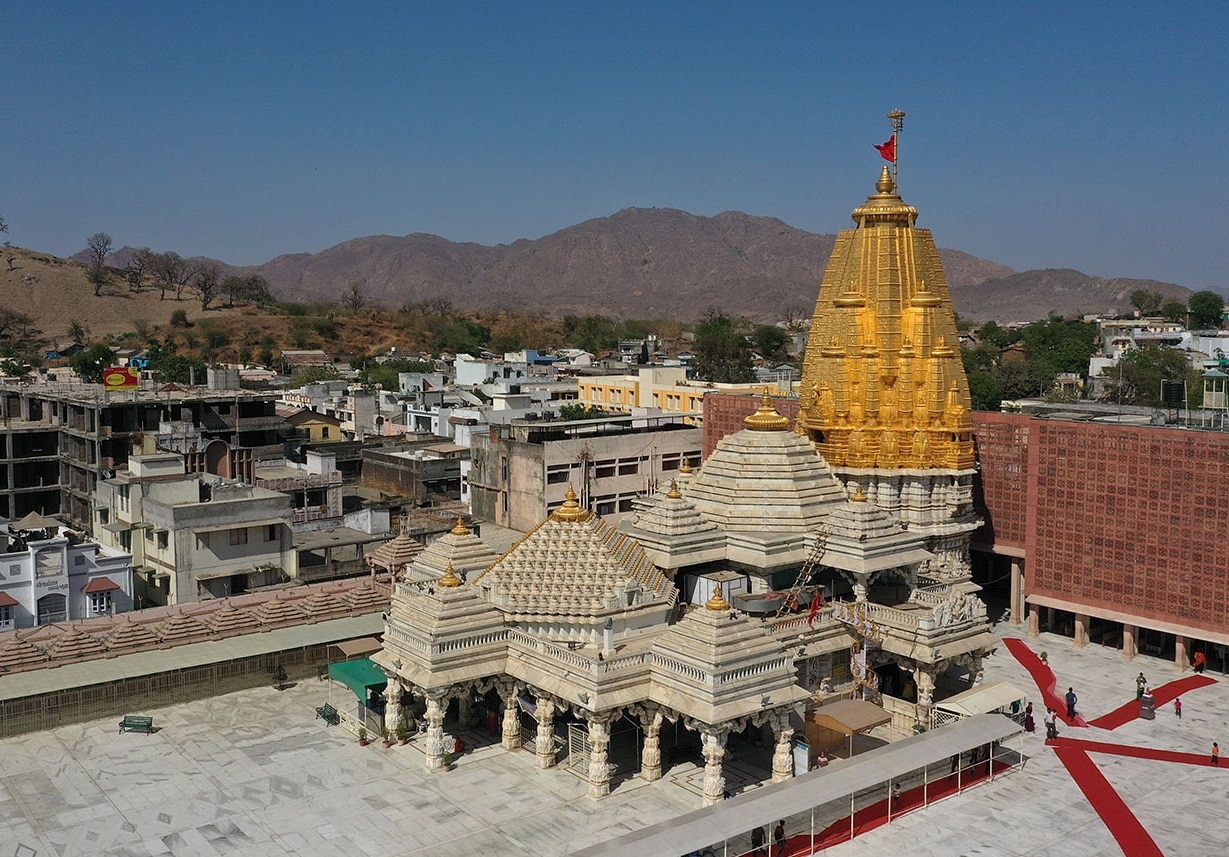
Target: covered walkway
x: 834, y: 804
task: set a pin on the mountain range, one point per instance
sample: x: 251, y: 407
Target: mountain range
x: 657, y: 263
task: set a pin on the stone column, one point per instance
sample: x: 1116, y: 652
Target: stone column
x: 976, y: 672
x: 465, y: 708
x: 859, y: 591
x: 783, y: 755
x: 392, y: 705
x: 1017, y: 591
x: 714, y: 752
x: 510, y: 728
x: 1081, y: 630
x: 546, y: 732
x: 650, y: 758
x: 1034, y: 620
x: 1130, y: 642
x: 1182, y: 658
x: 925, y: 676
x: 437, y: 743
x: 599, y: 746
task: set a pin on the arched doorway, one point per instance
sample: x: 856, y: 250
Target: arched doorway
x: 52, y: 608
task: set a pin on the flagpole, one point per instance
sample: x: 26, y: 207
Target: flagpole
x: 898, y: 122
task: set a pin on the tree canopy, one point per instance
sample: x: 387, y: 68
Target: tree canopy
x: 1206, y: 309
x: 722, y: 353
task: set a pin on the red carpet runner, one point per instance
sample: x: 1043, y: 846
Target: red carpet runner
x: 1130, y: 835
x: 1163, y: 695
x: 1043, y: 677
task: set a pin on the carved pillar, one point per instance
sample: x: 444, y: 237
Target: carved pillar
x: 1017, y: 591
x: 437, y: 743
x: 1130, y: 641
x: 465, y: 708
x: 393, y: 714
x: 510, y: 729
x: 976, y: 673
x: 714, y: 753
x: 599, y: 746
x: 1034, y: 620
x: 650, y: 758
x: 925, y: 685
x: 859, y: 590
x: 783, y: 755
x: 1081, y: 630
x: 546, y: 732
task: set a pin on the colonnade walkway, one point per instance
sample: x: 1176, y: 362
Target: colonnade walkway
x: 834, y: 804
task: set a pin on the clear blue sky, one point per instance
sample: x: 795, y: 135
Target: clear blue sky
x: 1075, y: 135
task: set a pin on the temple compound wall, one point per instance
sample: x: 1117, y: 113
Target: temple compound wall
x: 1118, y: 523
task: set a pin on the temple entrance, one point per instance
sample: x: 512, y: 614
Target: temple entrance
x: 1105, y: 632
x: 623, y: 754
x: 993, y: 574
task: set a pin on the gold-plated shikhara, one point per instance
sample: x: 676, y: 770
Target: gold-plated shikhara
x: 882, y: 385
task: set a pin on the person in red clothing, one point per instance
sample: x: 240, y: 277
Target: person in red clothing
x: 1200, y: 662
x: 1215, y: 753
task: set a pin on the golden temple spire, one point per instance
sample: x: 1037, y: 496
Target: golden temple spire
x: 766, y: 417
x: 686, y: 468
x: 570, y: 510
x: 717, y: 602
x: 674, y: 493
x: 881, y: 384
x: 450, y: 578
x: 460, y: 529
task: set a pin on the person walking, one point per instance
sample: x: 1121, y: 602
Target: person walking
x: 1029, y: 725
x: 1051, y: 723
x: 778, y: 836
x: 1071, y: 698
x: 1178, y: 707
x: 757, y: 841
x: 1215, y: 753
x: 1140, y: 684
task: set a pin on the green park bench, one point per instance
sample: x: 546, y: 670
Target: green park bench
x: 329, y: 714
x: 136, y: 723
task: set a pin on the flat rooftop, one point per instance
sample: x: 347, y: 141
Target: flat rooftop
x: 255, y: 773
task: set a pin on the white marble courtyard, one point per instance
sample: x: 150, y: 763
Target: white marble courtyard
x: 254, y: 773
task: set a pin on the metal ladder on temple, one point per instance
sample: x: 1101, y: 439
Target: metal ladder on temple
x: 804, y: 573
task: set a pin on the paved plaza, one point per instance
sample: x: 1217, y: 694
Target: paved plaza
x: 254, y: 773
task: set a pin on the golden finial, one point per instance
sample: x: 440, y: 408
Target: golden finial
x: 766, y: 417
x: 717, y: 603
x: 460, y: 529
x: 450, y: 578
x: 859, y: 496
x: 674, y: 493
x: 686, y: 468
x: 570, y: 510
x: 885, y: 184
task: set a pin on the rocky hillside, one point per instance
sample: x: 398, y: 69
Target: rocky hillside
x: 655, y: 263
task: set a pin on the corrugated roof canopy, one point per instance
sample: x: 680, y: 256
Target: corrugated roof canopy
x: 763, y: 806
x: 360, y: 676
x: 850, y: 716
x: 984, y: 699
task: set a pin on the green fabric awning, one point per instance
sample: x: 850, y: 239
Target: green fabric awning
x: 360, y: 676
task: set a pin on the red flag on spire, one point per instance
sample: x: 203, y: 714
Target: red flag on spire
x: 888, y: 149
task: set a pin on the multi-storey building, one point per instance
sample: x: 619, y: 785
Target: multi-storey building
x: 195, y: 536
x: 96, y: 431
x: 522, y: 471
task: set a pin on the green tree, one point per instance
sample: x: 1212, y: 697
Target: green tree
x: 387, y: 374
x: 721, y: 350
x: 1174, y: 311
x: 205, y: 282
x: 78, y: 332
x: 1207, y: 308
x: 577, y: 411
x: 90, y: 362
x: 98, y: 278
x: 591, y: 333
x: 986, y: 391
x: 993, y: 335
x: 1147, y: 302
x: 769, y: 342
x: 311, y: 374
x: 1136, y: 379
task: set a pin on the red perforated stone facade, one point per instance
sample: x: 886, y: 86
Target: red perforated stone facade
x: 1132, y: 521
